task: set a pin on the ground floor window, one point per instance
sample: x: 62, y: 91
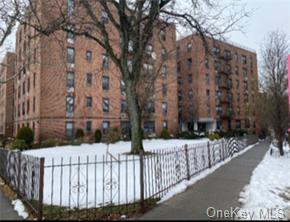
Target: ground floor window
x: 105, y: 127
x: 149, y: 127
x: 69, y: 130
x: 125, y: 128
x: 238, y: 124
x: 89, y: 126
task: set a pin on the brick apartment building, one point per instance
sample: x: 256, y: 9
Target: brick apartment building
x: 62, y: 87
x: 7, y: 71
x: 216, y: 90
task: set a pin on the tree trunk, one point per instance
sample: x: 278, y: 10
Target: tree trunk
x: 135, y: 119
x: 280, y: 146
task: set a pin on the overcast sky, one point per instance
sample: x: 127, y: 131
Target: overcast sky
x: 269, y: 15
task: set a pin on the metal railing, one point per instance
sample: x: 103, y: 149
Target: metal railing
x: 107, y: 186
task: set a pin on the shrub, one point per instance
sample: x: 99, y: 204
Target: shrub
x: 26, y: 134
x: 98, y: 136
x: 76, y: 142
x: 213, y: 136
x: 188, y: 135
x: 165, y: 134
x: 20, y: 145
x: 113, y: 135
x: 79, y: 134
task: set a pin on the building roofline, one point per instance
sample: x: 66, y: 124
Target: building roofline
x: 229, y: 42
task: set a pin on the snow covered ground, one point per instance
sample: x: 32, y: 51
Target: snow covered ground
x: 78, y: 184
x: 267, y: 196
x: 74, y: 183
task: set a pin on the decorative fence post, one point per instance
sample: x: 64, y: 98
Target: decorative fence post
x: 142, y: 178
x: 19, y: 174
x: 209, y: 159
x: 223, y: 149
x: 187, y: 161
x: 41, y: 182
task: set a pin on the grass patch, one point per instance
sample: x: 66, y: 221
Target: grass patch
x: 109, y: 212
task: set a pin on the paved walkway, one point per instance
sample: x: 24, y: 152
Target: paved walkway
x: 6, y: 209
x: 219, y: 190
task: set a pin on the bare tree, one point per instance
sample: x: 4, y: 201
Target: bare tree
x: 274, y: 77
x: 118, y: 26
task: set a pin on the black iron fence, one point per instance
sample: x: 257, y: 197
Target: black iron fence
x: 24, y: 175
x: 107, y: 186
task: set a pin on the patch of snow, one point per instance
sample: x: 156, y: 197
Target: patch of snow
x: 89, y: 185
x: 20, y: 209
x: 269, y: 189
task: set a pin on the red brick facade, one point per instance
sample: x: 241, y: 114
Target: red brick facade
x: 7, y: 71
x: 216, y: 90
x: 43, y: 106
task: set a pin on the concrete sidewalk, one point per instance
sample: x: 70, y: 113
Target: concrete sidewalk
x: 220, y: 190
x: 6, y: 209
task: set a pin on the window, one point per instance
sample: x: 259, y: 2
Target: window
x: 207, y: 79
x: 164, y: 71
x: 70, y: 105
x: 27, y: 106
x: 89, y: 101
x: 28, y: 85
x: 124, y: 106
x: 125, y: 128
x: 149, y: 49
x: 130, y: 65
x: 105, y: 127
x: 190, y: 79
x: 164, y: 54
x: 164, y: 107
x: 34, y: 104
x: 148, y: 68
x: 23, y: 108
x: 165, y: 124
x: 178, y: 67
x: 70, y: 81
x: 236, y: 70
x: 216, y: 50
x: 190, y: 94
x: 105, y: 61
x: 150, y: 107
x: 206, y: 64
x: 70, y: 6
x: 149, y: 127
x: 34, y: 79
x: 130, y: 46
x: 244, y: 59
x: 123, y: 88
x: 70, y: 34
x: 162, y: 35
x: 164, y: 89
x: 106, y: 105
x: 104, y: 17
x: 23, y: 88
x: 189, y: 63
x: 105, y: 82
x: 237, y: 84
x: 89, y: 78
x: 189, y: 47
x: 178, y: 51
x: 69, y: 130
x: 89, y: 55
x: 89, y: 126
x: 70, y: 55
